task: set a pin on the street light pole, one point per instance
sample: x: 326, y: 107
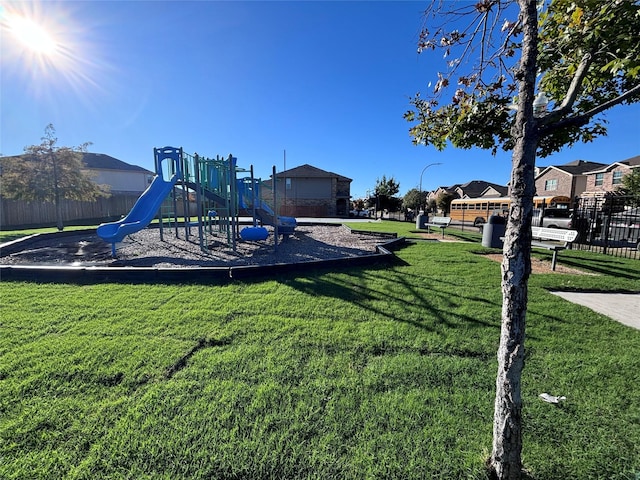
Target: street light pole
x: 430, y: 165
x: 420, y: 192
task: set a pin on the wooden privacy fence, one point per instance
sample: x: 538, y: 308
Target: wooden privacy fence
x: 16, y: 214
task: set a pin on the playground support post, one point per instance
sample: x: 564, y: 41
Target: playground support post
x: 233, y: 201
x: 253, y: 198
x: 275, y: 213
x: 185, y: 211
x: 185, y: 197
x: 174, y: 203
x: 199, y: 196
x: 175, y: 167
x: 174, y: 199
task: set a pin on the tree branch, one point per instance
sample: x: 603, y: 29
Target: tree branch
x: 584, y: 118
x: 512, y: 31
x: 570, y: 98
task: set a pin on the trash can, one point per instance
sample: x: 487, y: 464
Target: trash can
x: 492, y: 231
x: 421, y: 220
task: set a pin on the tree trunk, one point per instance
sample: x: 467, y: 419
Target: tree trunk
x: 59, y: 222
x: 505, y: 462
x: 56, y: 188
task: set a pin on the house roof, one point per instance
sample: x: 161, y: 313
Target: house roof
x: 501, y: 191
x: 633, y: 162
x: 309, y: 171
x: 475, y: 188
x: 576, y: 167
x: 100, y: 161
x: 447, y: 189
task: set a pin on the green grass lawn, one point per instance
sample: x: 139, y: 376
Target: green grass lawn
x: 9, y: 235
x: 374, y: 372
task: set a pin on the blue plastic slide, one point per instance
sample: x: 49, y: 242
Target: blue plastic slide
x: 286, y: 225
x: 140, y: 215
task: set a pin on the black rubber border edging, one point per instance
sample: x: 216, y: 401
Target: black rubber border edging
x: 90, y: 275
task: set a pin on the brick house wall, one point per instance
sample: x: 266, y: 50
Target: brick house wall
x: 567, y: 180
x: 564, y: 185
x: 608, y: 184
x: 308, y: 191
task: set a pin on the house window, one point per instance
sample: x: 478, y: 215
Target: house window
x: 599, y: 179
x: 551, y: 184
x: 617, y: 177
x: 287, y: 182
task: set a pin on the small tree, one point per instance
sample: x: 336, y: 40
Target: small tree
x: 370, y: 201
x: 444, y: 200
x: 48, y: 173
x: 387, y: 187
x: 358, y: 204
x: 385, y: 190
x: 414, y: 199
x: 631, y: 185
x: 583, y: 58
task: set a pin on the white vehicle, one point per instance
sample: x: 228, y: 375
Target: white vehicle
x: 359, y: 213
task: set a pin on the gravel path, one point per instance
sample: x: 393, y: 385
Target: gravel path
x: 145, y: 249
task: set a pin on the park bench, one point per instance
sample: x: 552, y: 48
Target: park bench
x: 440, y: 222
x: 559, y: 240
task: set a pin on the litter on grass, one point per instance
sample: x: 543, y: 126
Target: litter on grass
x: 551, y: 399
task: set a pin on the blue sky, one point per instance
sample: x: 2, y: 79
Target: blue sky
x: 326, y: 81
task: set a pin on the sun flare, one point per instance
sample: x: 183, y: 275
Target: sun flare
x: 47, y: 48
x: 33, y: 36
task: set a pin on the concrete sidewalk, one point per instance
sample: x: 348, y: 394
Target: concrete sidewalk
x: 623, y: 307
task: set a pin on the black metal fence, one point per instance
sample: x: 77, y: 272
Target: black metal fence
x: 609, y: 225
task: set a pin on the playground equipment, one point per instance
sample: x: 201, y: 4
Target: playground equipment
x: 211, y: 182
x: 249, y: 199
x: 147, y: 205
x: 219, y: 197
x: 254, y: 233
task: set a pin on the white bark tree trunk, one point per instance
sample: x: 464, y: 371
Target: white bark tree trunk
x: 506, y: 462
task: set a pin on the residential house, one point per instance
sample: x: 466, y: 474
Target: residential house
x: 308, y: 191
x: 609, y: 177
x: 472, y: 189
x: 480, y: 188
x: 125, y: 181
x: 495, y: 191
x: 433, y: 195
x: 568, y: 180
x: 121, y: 177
